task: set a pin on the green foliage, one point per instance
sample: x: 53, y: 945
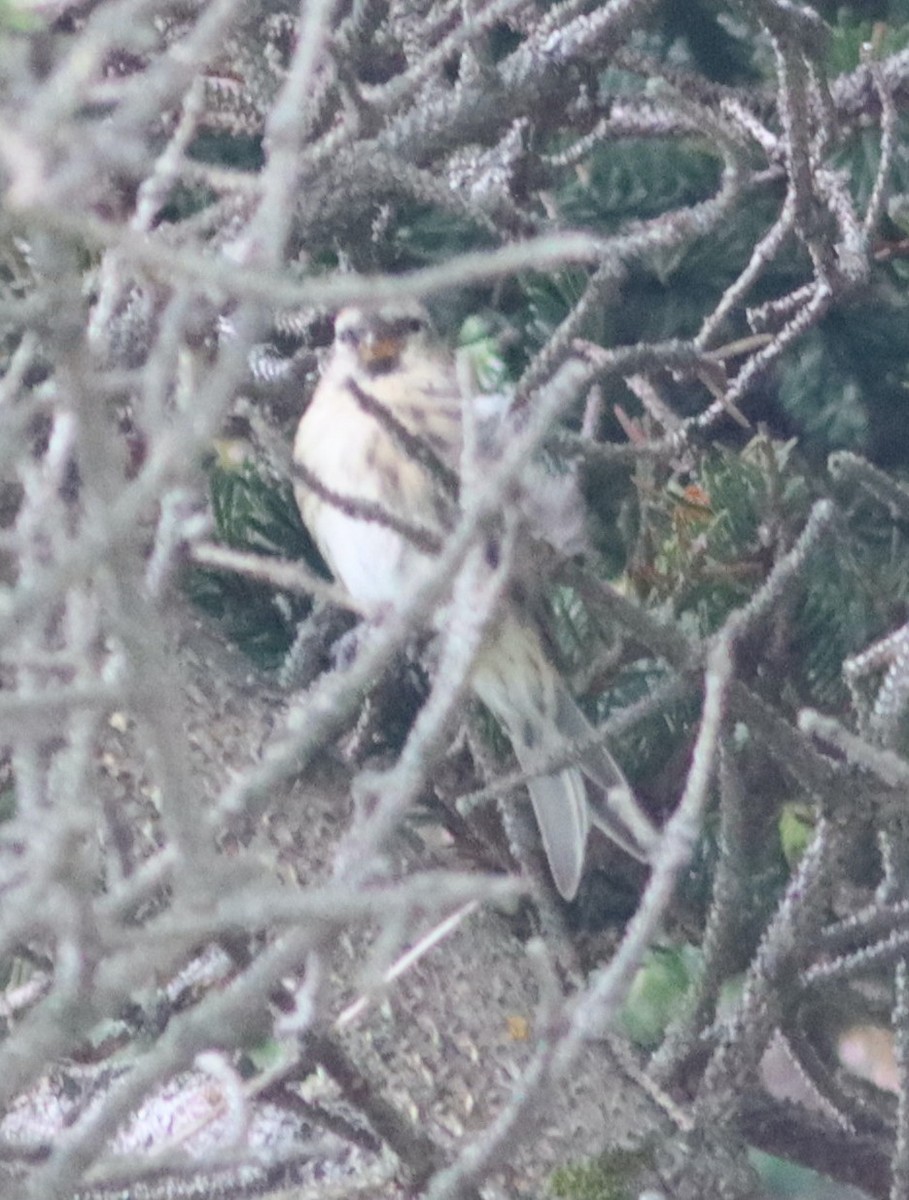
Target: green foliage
x: 853, y: 35
x: 547, y: 300
x: 650, y: 745
x: 824, y: 396
x: 9, y: 805
x: 658, y: 993
x: 481, y: 349
x: 252, y: 512
x: 611, y: 1176
x: 796, y: 825
x: 719, y: 51
x: 572, y: 627
x: 844, y: 385
x: 831, y: 622
x: 860, y: 157
x: 19, y: 18
x: 784, y: 1180
x: 241, y: 153
x: 422, y: 236
x: 264, y: 1055
x: 665, y: 293
x: 638, y: 179
x: 703, y: 549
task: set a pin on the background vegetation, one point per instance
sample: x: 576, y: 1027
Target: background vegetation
x: 273, y: 914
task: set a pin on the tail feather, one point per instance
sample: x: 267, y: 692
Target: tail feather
x: 560, y: 807
x: 516, y: 681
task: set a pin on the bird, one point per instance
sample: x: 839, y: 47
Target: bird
x: 375, y: 471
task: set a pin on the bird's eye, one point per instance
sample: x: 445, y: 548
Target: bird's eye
x: 414, y: 325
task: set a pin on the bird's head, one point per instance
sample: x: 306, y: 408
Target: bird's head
x: 380, y: 341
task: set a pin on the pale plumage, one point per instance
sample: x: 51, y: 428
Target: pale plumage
x: 376, y: 457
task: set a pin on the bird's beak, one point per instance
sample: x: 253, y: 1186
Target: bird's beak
x: 382, y: 350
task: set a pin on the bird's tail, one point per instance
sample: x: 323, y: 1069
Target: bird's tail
x: 517, y: 682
